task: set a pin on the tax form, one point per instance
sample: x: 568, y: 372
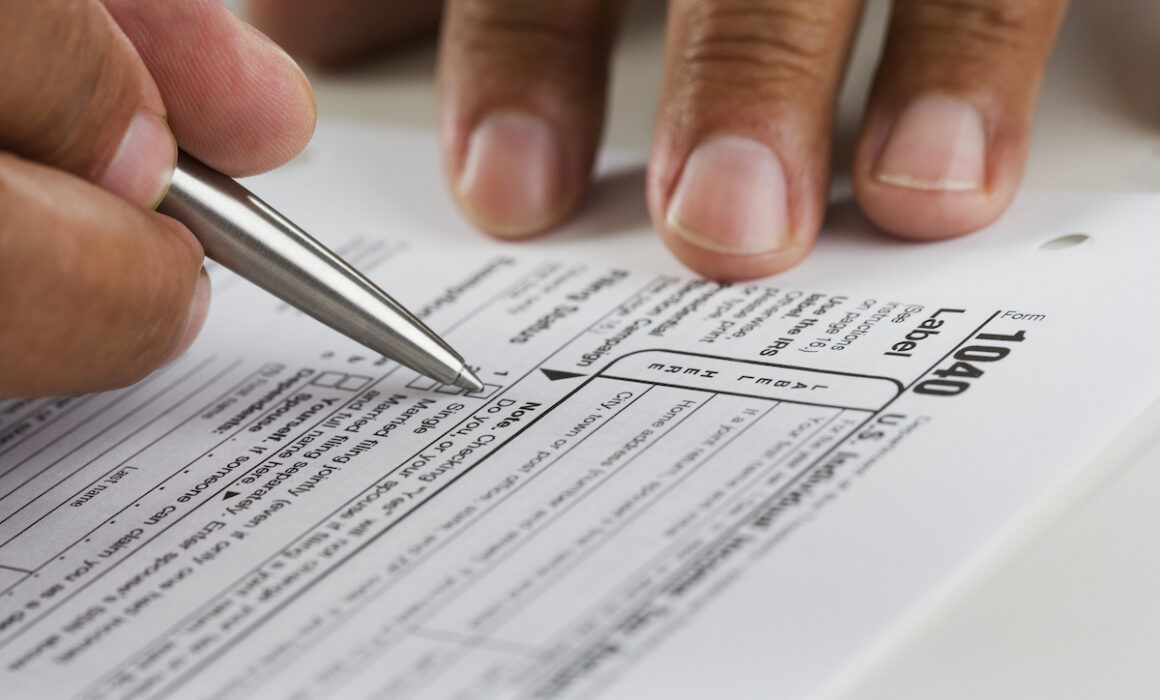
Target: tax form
x: 669, y: 488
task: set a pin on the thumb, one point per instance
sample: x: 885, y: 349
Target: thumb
x: 75, y: 95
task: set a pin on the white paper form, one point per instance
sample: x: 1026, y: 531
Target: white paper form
x: 670, y: 488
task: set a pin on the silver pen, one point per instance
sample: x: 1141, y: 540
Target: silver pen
x: 246, y: 235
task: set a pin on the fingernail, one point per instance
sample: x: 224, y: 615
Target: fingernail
x: 938, y: 144
x: 142, y: 168
x: 512, y: 181
x: 731, y: 198
x: 198, y: 310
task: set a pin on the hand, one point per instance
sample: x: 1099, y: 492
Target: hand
x: 738, y: 173
x: 96, y: 290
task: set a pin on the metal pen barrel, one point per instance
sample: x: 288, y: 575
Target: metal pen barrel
x: 243, y: 233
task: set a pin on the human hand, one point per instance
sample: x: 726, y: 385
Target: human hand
x: 96, y: 290
x: 739, y: 167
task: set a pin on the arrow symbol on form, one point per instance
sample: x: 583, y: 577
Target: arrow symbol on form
x: 555, y: 374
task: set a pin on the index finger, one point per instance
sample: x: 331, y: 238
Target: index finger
x: 235, y: 99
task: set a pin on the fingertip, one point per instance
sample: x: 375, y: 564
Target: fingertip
x: 947, y: 125
x: 300, y: 113
x: 521, y: 102
x: 728, y: 216
x: 932, y: 171
x: 514, y: 181
x: 235, y: 99
x: 277, y: 106
x: 924, y: 214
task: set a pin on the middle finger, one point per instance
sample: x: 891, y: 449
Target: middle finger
x: 740, y: 159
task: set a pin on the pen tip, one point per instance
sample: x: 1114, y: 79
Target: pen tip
x: 467, y: 380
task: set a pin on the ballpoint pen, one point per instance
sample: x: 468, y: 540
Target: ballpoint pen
x: 246, y: 235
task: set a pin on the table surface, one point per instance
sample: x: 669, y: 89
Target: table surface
x: 1070, y: 607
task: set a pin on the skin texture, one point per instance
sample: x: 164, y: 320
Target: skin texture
x: 97, y: 290
x: 739, y: 165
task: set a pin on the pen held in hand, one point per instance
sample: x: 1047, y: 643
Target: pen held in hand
x: 246, y: 235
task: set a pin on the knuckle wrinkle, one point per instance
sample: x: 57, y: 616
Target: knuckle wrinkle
x: 759, y: 43
x: 989, y: 24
